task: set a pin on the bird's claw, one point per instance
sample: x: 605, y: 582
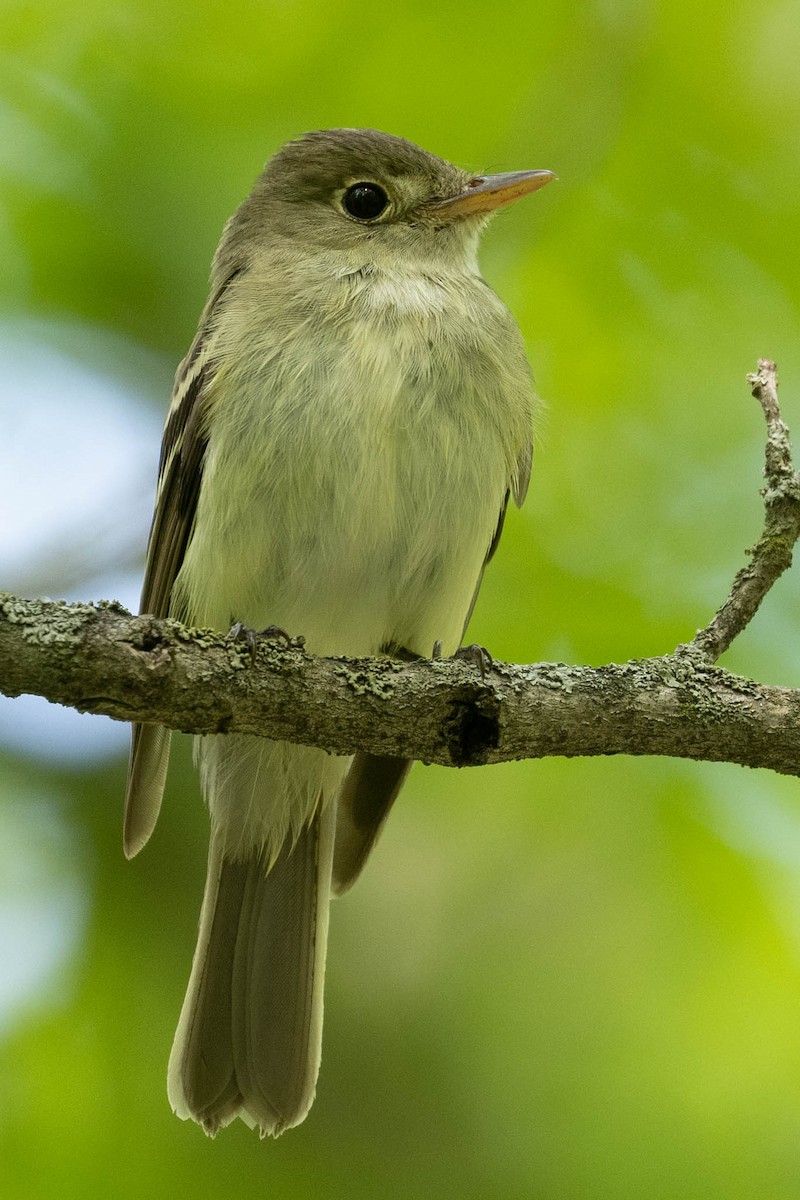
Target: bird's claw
x: 276, y: 634
x: 239, y: 632
x: 479, y: 656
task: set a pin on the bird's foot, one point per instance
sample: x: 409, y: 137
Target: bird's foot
x: 239, y: 632
x: 479, y: 656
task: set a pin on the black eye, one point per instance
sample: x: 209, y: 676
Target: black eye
x: 365, y: 201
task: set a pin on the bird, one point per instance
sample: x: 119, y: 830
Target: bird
x: 345, y: 434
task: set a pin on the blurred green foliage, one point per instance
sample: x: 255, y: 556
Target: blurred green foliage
x: 556, y: 979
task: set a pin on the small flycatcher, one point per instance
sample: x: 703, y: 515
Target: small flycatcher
x: 344, y: 436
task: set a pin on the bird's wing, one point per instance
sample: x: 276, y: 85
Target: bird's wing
x: 180, y: 472
x: 518, y: 488
x: 521, y: 477
x: 362, y: 806
x: 373, y: 781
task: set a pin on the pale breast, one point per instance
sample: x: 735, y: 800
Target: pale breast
x: 357, y: 464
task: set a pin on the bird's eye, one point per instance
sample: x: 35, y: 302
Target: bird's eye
x: 364, y: 201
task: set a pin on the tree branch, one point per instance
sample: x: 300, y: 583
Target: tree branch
x: 772, y: 553
x: 100, y: 659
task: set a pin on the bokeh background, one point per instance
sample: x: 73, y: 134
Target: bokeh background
x: 556, y: 979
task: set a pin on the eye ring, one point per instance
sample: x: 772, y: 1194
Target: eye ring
x: 365, y: 201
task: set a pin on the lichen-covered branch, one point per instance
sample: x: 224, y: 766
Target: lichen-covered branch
x: 772, y: 553
x: 100, y: 659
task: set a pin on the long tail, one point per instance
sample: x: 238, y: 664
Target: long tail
x: 249, y: 1035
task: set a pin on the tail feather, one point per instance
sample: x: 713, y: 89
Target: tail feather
x: 368, y: 792
x: 249, y: 1037
x: 202, y: 1081
x: 147, y: 774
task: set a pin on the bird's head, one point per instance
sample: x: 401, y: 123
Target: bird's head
x: 374, y: 198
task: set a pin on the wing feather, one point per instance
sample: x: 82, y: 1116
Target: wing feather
x: 183, y: 450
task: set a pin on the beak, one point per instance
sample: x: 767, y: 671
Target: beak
x: 488, y: 192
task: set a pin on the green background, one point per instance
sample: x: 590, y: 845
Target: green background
x: 556, y: 979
